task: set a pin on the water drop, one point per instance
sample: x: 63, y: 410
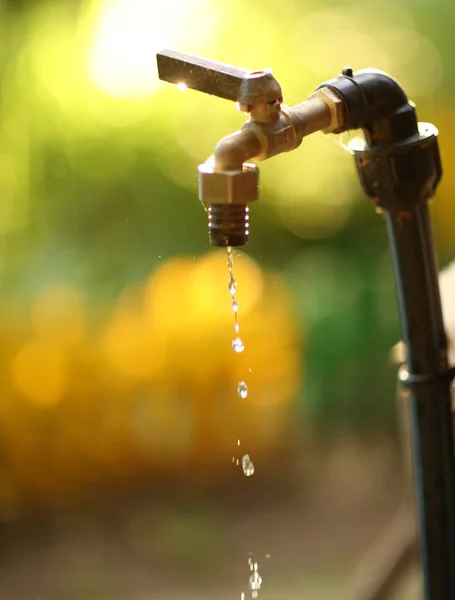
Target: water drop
x: 254, y: 594
x: 238, y: 442
x: 247, y: 465
x: 238, y: 345
x: 242, y: 389
x: 235, y: 306
x: 232, y: 285
x: 236, y: 327
x: 255, y: 581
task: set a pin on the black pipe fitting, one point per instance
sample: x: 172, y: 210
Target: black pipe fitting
x: 398, y: 162
x: 375, y: 103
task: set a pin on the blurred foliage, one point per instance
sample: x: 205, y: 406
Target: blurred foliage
x: 116, y: 325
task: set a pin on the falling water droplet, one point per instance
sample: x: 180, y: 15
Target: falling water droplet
x: 247, y: 465
x: 255, y: 581
x: 238, y: 345
x: 235, y: 306
x: 236, y: 327
x: 254, y: 594
x: 238, y: 442
x: 242, y: 389
x: 242, y: 596
x: 232, y: 285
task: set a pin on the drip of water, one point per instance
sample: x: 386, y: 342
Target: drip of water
x: 238, y: 345
x: 255, y: 581
x: 247, y: 465
x: 242, y: 389
x: 232, y: 286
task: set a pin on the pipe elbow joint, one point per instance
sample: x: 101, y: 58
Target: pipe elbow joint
x: 376, y: 103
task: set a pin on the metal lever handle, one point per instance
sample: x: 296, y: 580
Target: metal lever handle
x: 208, y: 76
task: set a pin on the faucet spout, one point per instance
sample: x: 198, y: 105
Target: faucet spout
x: 227, y: 180
x: 235, y: 149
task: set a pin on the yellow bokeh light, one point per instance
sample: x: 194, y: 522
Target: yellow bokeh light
x: 130, y: 347
x: 58, y: 315
x: 39, y: 373
x: 167, y: 298
x: 128, y: 36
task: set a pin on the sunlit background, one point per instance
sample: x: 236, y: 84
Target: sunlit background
x: 119, y: 417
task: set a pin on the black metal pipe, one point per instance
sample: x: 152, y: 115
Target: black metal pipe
x: 424, y: 337
x: 399, y: 168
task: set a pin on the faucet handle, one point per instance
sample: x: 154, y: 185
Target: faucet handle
x: 200, y: 74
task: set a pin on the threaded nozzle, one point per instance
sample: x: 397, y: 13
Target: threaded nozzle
x: 228, y: 224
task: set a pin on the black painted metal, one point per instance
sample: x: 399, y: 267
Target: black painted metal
x: 430, y: 399
x: 399, y: 167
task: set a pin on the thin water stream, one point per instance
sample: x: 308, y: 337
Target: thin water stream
x: 255, y: 580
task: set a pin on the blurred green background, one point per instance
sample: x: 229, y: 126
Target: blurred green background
x: 115, y: 324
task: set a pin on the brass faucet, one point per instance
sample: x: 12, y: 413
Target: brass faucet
x: 227, y: 182
x: 399, y: 167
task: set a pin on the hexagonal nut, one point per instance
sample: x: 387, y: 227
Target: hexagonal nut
x: 336, y: 106
x: 228, y: 187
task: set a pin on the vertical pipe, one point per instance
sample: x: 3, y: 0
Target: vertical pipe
x: 424, y: 337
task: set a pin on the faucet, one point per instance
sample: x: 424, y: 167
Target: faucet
x: 399, y: 168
